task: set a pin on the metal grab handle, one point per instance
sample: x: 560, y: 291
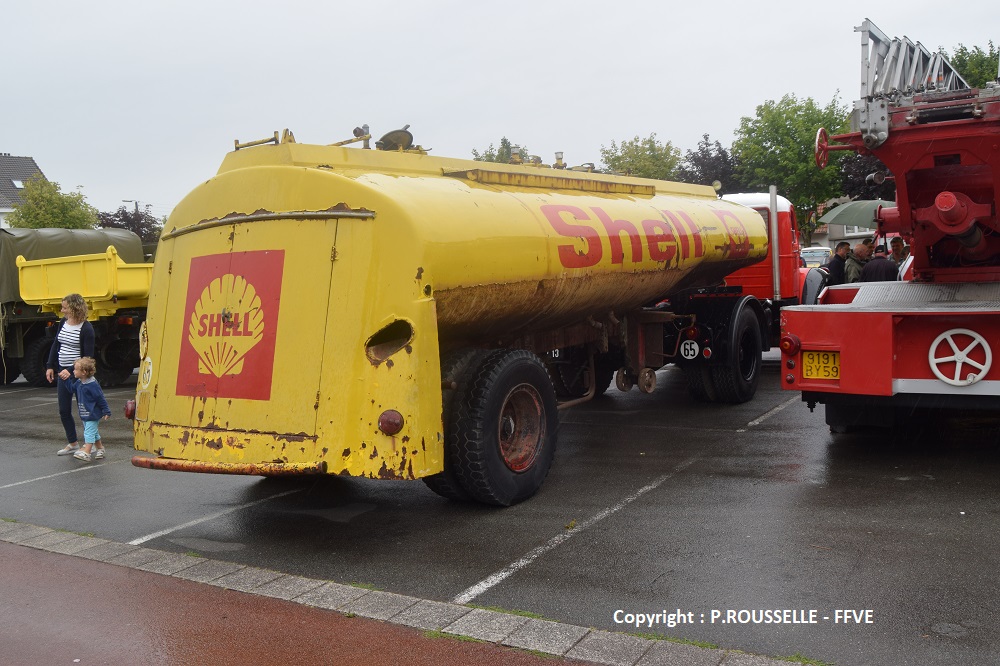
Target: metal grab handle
x: 258, y: 142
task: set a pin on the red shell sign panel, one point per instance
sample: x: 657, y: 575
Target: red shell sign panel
x: 230, y: 325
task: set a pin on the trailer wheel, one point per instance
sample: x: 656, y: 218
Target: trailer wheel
x: 11, y: 368
x: 36, y: 358
x: 109, y: 376
x: 737, y: 377
x: 505, y: 431
x: 457, y: 369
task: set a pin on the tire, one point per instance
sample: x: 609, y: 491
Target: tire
x: 570, y: 377
x: 506, y: 428
x: 36, y: 358
x: 458, y: 368
x: 701, y: 383
x: 110, y: 376
x: 11, y: 369
x: 737, y: 377
x: 116, y: 361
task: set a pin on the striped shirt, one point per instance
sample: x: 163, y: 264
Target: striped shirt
x: 69, y: 344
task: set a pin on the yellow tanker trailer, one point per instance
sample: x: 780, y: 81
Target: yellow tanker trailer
x: 388, y: 314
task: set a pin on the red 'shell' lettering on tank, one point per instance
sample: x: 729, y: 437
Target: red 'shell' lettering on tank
x: 738, y: 245
x: 660, y: 237
x: 230, y: 325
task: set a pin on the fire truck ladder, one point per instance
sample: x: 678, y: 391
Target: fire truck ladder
x: 890, y: 70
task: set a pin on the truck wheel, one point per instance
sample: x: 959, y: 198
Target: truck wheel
x: 36, y: 358
x: 109, y: 376
x: 505, y: 430
x: 701, y: 383
x: 737, y: 377
x: 11, y: 369
x: 456, y: 369
x: 569, y: 377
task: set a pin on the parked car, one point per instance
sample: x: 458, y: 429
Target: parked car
x: 816, y: 256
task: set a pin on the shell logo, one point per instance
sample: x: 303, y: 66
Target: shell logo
x: 226, y: 324
x: 230, y: 325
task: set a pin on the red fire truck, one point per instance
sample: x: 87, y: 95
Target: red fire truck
x: 874, y: 353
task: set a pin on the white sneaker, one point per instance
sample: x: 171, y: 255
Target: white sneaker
x: 99, y: 453
x: 67, y: 450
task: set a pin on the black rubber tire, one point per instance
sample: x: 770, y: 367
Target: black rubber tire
x: 116, y: 361
x: 10, y: 369
x: 111, y: 376
x: 701, y: 383
x: 36, y: 358
x: 569, y: 376
x: 456, y: 367
x: 737, y: 378
x: 510, y: 398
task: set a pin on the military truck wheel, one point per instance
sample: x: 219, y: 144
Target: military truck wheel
x: 109, y: 376
x: 737, y: 377
x: 11, y: 369
x: 36, y: 357
x: 457, y: 370
x: 505, y: 430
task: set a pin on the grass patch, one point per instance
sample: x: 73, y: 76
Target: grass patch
x: 798, y: 658
x: 8, y: 520
x: 454, y: 637
x: 522, y: 613
x: 674, y: 639
x: 84, y: 534
x: 192, y: 553
x: 363, y: 586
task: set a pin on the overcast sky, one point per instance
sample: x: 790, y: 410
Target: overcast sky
x: 141, y: 100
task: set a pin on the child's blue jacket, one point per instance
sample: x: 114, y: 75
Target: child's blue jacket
x: 90, y: 399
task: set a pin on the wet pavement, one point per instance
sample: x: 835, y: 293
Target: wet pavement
x: 654, y: 503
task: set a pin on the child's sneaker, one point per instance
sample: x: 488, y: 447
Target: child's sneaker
x: 99, y: 454
x: 82, y: 455
x: 68, y: 449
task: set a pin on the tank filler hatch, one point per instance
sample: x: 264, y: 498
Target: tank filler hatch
x: 400, y: 139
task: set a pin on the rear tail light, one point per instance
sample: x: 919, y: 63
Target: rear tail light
x: 790, y: 344
x: 130, y: 410
x: 390, y: 422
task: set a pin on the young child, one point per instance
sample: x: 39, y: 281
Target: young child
x: 93, y: 407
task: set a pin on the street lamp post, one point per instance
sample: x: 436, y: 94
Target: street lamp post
x: 135, y: 201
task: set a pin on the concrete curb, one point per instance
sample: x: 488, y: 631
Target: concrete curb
x: 553, y: 638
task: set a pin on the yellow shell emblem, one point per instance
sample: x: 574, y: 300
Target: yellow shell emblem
x: 227, y: 322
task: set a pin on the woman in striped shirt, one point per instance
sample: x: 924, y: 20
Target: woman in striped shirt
x: 74, y: 340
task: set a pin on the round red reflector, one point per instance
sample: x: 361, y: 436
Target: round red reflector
x: 790, y: 344
x: 390, y: 422
x: 707, y: 352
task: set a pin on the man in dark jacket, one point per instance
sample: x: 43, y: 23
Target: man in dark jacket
x: 836, y: 264
x: 880, y: 268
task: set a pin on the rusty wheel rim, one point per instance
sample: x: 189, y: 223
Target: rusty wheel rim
x: 521, y: 428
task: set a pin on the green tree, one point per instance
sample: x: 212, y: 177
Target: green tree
x: 142, y: 223
x: 977, y: 67
x: 46, y: 206
x: 776, y: 148
x: 501, y: 154
x: 646, y: 158
x: 709, y: 163
x: 854, y: 178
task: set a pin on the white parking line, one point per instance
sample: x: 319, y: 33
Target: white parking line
x: 52, y: 476
x: 154, y: 535
x: 512, y: 568
x: 770, y: 413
